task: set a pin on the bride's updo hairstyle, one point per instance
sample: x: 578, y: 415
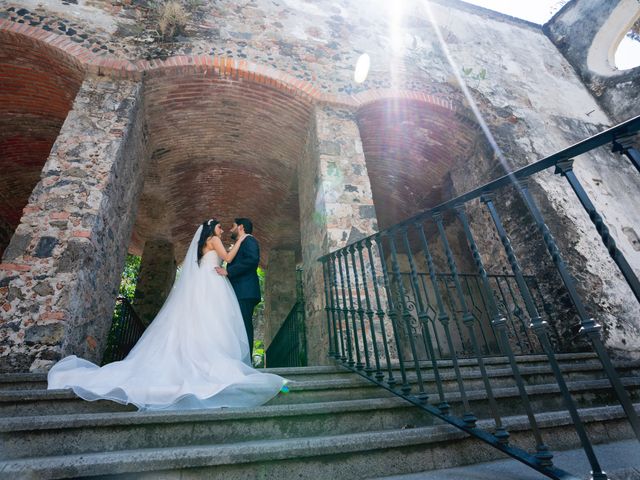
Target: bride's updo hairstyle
x: 208, y: 230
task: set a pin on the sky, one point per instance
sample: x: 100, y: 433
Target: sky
x: 540, y: 11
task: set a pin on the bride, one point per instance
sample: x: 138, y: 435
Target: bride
x: 194, y: 354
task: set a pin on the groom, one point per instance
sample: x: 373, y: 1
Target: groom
x: 242, y: 274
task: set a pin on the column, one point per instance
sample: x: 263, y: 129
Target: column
x: 336, y: 208
x: 157, y: 273
x: 279, y: 291
x: 60, y: 273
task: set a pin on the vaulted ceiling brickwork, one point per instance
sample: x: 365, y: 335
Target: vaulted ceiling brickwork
x: 221, y: 147
x: 410, y: 147
x: 37, y: 86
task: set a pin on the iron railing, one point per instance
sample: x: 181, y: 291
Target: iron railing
x: 126, y: 330
x: 505, y: 290
x: 369, y: 314
x: 289, y: 347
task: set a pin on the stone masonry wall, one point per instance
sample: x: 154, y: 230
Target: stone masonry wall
x: 589, y: 47
x: 530, y: 96
x: 336, y: 206
x: 280, y: 291
x: 60, y: 273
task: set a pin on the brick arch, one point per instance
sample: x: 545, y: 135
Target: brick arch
x: 275, y: 106
x: 223, y: 146
x: 38, y: 83
x: 411, y: 142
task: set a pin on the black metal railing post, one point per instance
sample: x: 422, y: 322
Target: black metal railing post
x: 370, y: 313
x: 328, y: 309
x: 338, y: 310
x: 301, y: 319
x: 589, y: 327
x: 539, y: 328
x: 623, y: 144
x: 393, y: 317
x: 345, y: 312
x: 423, y: 321
x: 406, y: 315
x: 565, y: 168
x: 469, y: 320
x: 352, y: 311
x: 360, y: 310
x: 499, y: 322
x: 468, y: 417
x: 391, y: 381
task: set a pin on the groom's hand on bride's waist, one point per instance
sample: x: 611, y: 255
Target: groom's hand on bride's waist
x: 221, y: 271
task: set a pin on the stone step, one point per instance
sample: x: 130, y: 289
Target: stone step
x: 621, y: 459
x: 350, y: 387
x: 500, y: 361
x: 543, y: 398
x: 104, y: 432
x: 348, y: 456
x: 532, y: 375
x: 38, y: 381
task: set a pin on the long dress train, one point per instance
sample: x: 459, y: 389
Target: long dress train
x: 194, y: 354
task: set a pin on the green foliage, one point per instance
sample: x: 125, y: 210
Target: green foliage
x: 128, y: 282
x: 258, y: 354
x: 129, y: 278
x: 261, y: 275
x: 468, y: 72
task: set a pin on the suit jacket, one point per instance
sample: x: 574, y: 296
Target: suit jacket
x: 242, y: 270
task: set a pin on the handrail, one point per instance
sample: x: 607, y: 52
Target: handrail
x: 373, y: 304
x: 289, y: 346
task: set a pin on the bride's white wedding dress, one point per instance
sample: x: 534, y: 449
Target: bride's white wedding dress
x: 195, y: 353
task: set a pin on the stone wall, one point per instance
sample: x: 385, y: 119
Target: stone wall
x: 255, y: 73
x: 60, y: 273
x: 157, y: 274
x: 279, y: 291
x: 336, y: 208
x: 589, y: 46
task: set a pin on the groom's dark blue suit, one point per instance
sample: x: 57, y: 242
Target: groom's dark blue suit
x: 242, y: 272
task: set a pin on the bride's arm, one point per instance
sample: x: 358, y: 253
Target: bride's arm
x: 222, y: 253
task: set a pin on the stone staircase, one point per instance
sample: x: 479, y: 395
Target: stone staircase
x: 331, y: 424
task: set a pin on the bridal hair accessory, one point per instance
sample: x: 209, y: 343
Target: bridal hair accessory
x: 210, y: 221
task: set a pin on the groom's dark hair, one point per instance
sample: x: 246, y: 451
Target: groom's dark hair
x: 246, y: 223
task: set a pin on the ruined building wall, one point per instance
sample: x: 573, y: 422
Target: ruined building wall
x: 587, y: 33
x: 66, y: 256
x: 532, y: 99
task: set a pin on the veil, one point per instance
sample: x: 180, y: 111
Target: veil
x: 179, y: 299
x: 189, y: 265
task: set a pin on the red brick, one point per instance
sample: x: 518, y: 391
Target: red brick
x: 15, y: 267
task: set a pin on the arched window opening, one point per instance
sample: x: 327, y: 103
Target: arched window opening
x: 627, y: 54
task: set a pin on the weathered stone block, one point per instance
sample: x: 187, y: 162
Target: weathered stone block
x: 50, y: 334
x: 17, y: 246
x: 76, y: 255
x: 45, y: 247
x: 43, y: 289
